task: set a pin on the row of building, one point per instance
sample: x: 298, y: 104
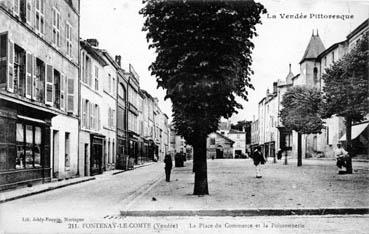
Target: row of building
x: 224, y: 143
x: 267, y: 130
x: 67, y: 107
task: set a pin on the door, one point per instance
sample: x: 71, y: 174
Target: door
x: 96, y: 159
x: 55, y: 154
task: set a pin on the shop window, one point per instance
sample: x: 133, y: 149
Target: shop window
x: 29, y: 148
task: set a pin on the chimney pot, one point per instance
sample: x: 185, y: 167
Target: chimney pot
x: 118, y: 60
x: 93, y: 42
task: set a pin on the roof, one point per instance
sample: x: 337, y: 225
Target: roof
x: 221, y: 135
x: 234, y: 131
x: 332, y: 47
x: 93, y: 52
x: 358, y: 29
x: 314, y: 48
x: 356, y: 130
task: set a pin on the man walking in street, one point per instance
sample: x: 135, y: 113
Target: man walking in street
x: 258, y: 158
x: 168, y: 166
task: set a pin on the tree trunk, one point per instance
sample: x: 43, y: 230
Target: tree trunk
x: 200, y: 167
x: 348, y: 123
x: 299, y: 149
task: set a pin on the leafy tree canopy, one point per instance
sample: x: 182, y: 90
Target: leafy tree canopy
x: 203, y: 58
x: 300, y: 110
x: 346, y: 84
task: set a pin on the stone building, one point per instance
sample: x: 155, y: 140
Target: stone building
x: 133, y: 93
x: 122, y: 118
x: 108, y: 110
x: 39, y: 49
x: 239, y: 146
x: 219, y: 146
x: 92, y: 136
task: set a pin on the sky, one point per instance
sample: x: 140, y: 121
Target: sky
x: 117, y: 25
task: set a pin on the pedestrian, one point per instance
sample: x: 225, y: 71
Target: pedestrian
x: 168, y: 166
x: 341, y: 156
x: 259, y: 159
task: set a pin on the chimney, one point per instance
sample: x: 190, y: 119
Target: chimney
x: 275, y: 87
x: 93, y: 42
x: 118, y: 60
x: 290, y: 68
x: 267, y: 94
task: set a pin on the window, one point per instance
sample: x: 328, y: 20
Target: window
x: 70, y: 95
x: 40, y: 16
x: 56, y: 89
x: 109, y: 83
x: 96, y: 78
x: 113, y: 84
x: 333, y: 57
x: 49, y: 85
x: 212, y: 141
x: 84, y: 113
x: 68, y: 37
x: 39, y: 81
x: 28, y: 138
x: 97, y: 111
x: 67, y: 151
x: 315, y: 73
x: 113, y: 150
x: 56, y: 27
x: 121, y: 91
x: 62, y: 91
x: 109, y: 152
x: 16, y: 9
x: 28, y: 11
x: 92, y: 117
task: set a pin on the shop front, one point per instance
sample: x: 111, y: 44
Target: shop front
x: 24, y: 145
x: 96, y: 156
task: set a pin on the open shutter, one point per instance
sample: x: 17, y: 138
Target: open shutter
x: 62, y: 93
x: 70, y: 97
x: 98, y: 118
x: 34, y: 78
x: 49, y: 85
x: 10, y: 73
x: 28, y: 75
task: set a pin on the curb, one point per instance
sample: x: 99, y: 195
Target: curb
x: 138, y: 166
x: 140, y: 192
x: 249, y: 212
x: 44, y: 190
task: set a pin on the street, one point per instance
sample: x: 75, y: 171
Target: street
x: 232, y: 186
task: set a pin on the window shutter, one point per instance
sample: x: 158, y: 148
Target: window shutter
x: 87, y: 115
x: 34, y: 79
x: 70, y: 97
x: 10, y: 75
x: 98, y: 118
x: 62, y: 93
x: 49, y: 85
x: 28, y: 75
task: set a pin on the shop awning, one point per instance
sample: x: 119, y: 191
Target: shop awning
x: 356, y: 130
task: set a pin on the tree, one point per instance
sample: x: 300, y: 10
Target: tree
x: 346, y: 89
x: 203, y: 61
x: 300, y: 113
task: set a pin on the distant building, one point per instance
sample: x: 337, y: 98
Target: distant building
x: 219, y: 146
x: 239, y: 146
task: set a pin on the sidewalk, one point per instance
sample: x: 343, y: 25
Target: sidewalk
x: 310, y: 189
x: 14, y: 194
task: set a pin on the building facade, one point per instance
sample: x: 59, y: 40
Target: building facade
x: 39, y: 43
x: 92, y: 136
x: 239, y: 146
x: 219, y: 146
